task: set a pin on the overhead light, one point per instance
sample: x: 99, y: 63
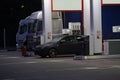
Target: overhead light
x: 22, y: 6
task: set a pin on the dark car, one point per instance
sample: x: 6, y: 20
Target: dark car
x: 67, y: 44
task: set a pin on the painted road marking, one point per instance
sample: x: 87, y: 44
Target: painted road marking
x: 31, y: 62
x: 115, y: 66
x: 8, y: 79
x: 5, y: 57
x: 91, y: 68
x: 81, y: 68
x: 12, y: 57
x: 56, y: 60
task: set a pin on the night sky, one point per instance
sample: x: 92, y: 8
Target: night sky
x: 11, y: 11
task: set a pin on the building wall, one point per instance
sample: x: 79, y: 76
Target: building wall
x: 110, y: 17
x: 72, y: 17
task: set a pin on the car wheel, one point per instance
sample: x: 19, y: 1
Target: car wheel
x: 52, y: 53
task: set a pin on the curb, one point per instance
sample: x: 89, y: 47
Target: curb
x: 96, y: 57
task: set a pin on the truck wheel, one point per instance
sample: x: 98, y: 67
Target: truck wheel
x: 52, y: 53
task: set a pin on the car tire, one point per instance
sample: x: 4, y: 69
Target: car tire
x: 52, y: 53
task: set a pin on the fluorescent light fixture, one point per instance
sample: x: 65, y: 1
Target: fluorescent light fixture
x: 66, y: 5
x: 111, y: 1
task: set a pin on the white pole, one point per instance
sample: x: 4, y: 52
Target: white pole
x: 97, y: 26
x: 88, y: 24
x: 47, y: 20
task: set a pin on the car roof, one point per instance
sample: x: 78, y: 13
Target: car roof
x: 72, y: 35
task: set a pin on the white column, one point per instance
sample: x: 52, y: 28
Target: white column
x: 47, y: 20
x: 87, y: 24
x: 97, y: 25
x: 93, y: 25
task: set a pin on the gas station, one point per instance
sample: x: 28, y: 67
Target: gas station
x: 91, y: 24
x: 95, y: 29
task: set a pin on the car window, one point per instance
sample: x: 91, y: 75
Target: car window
x: 69, y: 39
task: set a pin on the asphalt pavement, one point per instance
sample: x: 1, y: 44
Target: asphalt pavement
x: 13, y: 66
x: 75, y: 57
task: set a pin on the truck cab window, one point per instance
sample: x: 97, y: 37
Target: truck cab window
x: 31, y: 27
x: 23, y: 29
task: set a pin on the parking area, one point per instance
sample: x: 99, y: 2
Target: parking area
x: 13, y: 66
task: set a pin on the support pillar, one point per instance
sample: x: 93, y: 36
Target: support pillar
x: 93, y: 25
x: 47, y: 20
x: 87, y: 24
x: 97, y: 26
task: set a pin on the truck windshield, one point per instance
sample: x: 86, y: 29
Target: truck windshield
x: 31, y: 27
x: 23, y: 29
x: 39, y: 25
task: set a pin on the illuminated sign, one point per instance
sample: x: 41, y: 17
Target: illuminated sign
x: 111, y: 1
x: 66, y: 5
x: 116, y: 28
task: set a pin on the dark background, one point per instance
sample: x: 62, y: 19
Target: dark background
x: 11, y: 11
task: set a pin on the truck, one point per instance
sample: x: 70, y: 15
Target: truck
x: 31, y: 31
